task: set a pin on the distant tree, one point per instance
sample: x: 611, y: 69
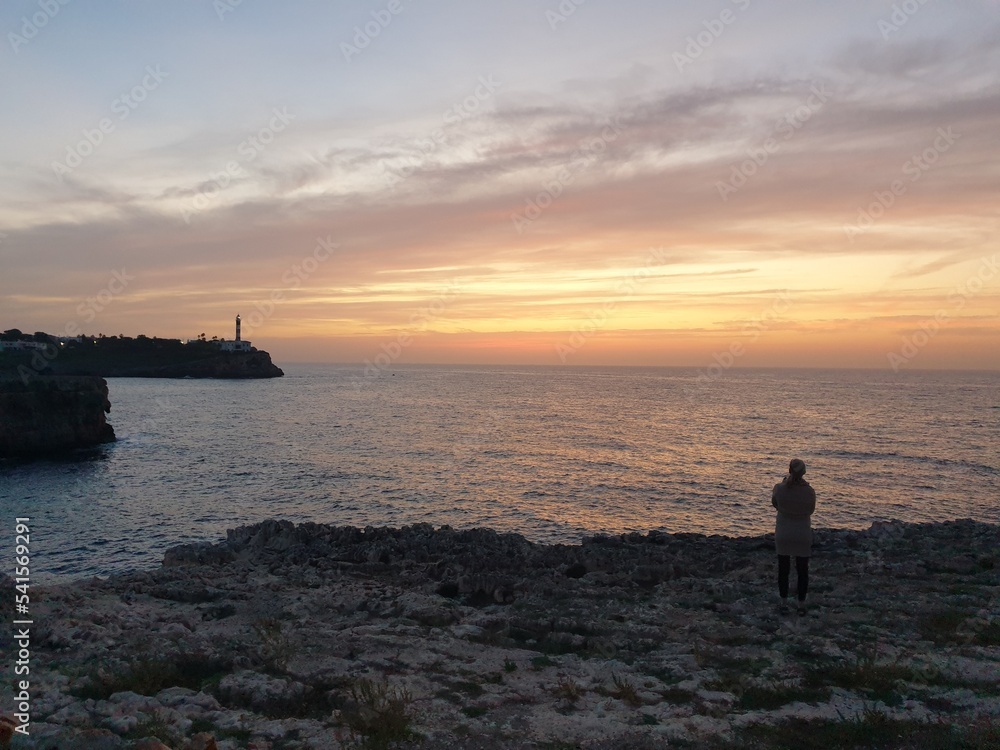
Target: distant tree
x: 11, y: 334
x: 42, y: 337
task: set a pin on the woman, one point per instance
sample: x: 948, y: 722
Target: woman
x: 795, y: 502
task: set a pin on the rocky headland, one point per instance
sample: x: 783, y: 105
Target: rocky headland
x: 53, y: 414
x: 223, y: 365
x: 140, y: 357
x: 323, y: 637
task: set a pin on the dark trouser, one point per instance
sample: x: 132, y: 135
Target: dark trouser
x: 801, y: 574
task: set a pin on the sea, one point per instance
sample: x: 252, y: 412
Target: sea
x: 553, y: 453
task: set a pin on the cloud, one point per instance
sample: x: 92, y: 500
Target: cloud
x: 419, y: 203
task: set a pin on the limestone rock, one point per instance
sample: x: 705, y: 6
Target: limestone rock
x: 45, y: 414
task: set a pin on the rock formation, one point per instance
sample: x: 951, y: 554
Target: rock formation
x: 49, y: 414
x: 301, y: 637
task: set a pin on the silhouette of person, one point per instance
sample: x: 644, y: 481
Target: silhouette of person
x: 795, y: 501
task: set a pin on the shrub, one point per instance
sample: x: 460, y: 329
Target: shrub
x: 379, y: 713
x: 568, y: 690
x: 274, y: 648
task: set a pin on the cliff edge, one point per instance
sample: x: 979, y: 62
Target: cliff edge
x: 227, y: 365
x: 50, y: 414
x: 140, y: 357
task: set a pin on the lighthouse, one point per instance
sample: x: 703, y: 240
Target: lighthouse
x: 238, y: 345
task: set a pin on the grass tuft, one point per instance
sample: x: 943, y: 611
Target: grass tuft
x: 625, y: 691
x: 274, y: 648
x: 872, y: 730
x: 539, y: 663
x: 379, y: 714
x: 880, y: 681
x: 776, y: 695
x: 569, y: 690
x: 150, y: 675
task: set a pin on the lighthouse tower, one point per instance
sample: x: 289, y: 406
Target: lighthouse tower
x: 239, y: 345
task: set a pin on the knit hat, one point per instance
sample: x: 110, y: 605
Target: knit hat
x: 797, y: 467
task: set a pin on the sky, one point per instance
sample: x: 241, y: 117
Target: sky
x: 715, y: 184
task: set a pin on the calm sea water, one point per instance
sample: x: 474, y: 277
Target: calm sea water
x: 552, y: 453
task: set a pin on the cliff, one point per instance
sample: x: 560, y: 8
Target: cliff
x: 314, y: 637
x: 228, y: 365
x: 50, y: 414
x: 142, y: 357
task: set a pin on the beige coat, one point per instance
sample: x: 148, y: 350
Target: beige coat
x: 795, y: 502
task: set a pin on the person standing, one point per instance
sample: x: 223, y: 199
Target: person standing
x: 795, y: 501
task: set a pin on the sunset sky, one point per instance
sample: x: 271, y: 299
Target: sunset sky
x: 580, y: 183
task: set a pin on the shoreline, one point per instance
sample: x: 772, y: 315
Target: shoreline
x: 576, y: 539
x: 315, y: 636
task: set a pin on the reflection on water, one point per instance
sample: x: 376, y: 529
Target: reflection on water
x: 553, y: 453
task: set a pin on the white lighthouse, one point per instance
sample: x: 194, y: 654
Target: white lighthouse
x: 239, y: 345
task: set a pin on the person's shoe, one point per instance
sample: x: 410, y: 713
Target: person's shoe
x: 802, y: 609
x: 783, y: 607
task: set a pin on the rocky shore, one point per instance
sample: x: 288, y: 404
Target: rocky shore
x: 51, y: 414
x: 324, y: 637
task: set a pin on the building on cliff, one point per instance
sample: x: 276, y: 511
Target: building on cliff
x: 239, y: 345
